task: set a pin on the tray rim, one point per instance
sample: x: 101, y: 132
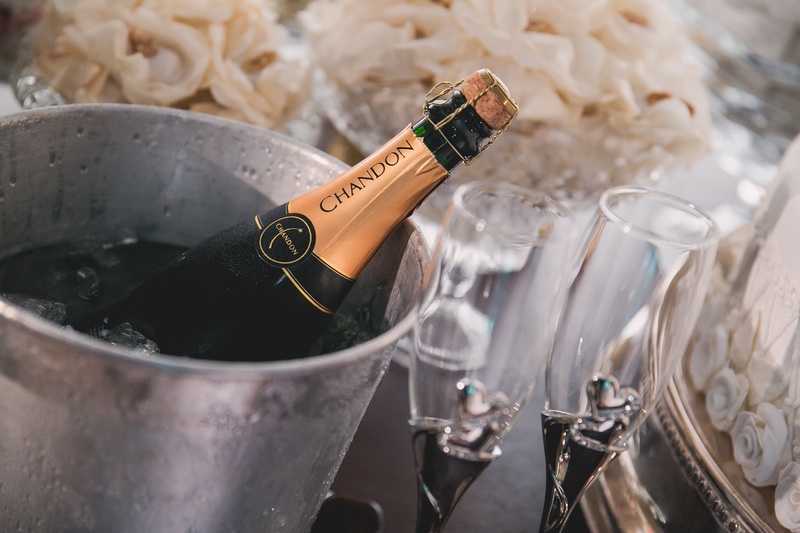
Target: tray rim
x: 681, y: 426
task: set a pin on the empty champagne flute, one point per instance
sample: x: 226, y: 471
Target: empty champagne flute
x: 637, y: 289
x: 492, y: 295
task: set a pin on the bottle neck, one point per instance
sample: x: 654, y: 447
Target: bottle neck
x: 466, y: 132
x: 356, y: 212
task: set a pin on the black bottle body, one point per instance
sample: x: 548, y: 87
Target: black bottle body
x: 222, y: 300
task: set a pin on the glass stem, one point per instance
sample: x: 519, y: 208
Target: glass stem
x: 441, y: 481
x: 571, y: 469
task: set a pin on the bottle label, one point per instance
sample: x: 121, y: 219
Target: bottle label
x: 320, y: 285
x: 356, y: 212
x: 288, y: 240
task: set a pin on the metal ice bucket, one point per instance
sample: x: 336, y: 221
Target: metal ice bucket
x: 96, y: 438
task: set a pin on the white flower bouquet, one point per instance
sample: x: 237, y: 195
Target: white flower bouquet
x: 224, y: 57
x: 606, y: 88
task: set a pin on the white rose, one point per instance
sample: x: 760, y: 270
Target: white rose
x: 250, y: 77
x: 725, y: 396
x: 761, y: 444
x: 227, y: 58
x: 787, y: 497
x: 768, y: 380
x: 382, y: 42
x: 106, y: 52
x: 708, y: 356
x: 157, y: 61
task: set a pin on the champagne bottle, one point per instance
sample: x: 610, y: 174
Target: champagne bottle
x: 266, y: 288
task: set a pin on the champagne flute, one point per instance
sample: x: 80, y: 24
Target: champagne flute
x: 636, y: 292
x: 492, y: 295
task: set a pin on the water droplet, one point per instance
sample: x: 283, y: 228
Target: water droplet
x: 53, y: 157
x: 167, y: 211
x: 80, y: 131
x: 83, y: 169
x: 137, y: 137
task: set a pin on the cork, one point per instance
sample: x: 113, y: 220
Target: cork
x: 495, y: 107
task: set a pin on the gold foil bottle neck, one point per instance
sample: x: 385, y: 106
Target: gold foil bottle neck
x: 486, y: 94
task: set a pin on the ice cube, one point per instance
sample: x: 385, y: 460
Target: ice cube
x: 88, y: 283
x: 344, y: 331
x: 125, y: 335
x: 47, y: 309
x: 106, y: 258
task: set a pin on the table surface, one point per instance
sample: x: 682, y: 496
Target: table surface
x: 508, y: 496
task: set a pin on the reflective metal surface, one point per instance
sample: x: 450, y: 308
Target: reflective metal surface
x: 96, y: 438
x: 682, y: 478
x: 578, y: 449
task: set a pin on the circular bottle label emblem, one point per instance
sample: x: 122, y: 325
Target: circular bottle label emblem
x: 287, y: 240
